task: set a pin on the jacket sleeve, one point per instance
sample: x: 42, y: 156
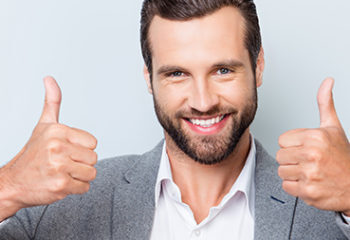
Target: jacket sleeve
x: 23, y: 225
x: 343, y: 225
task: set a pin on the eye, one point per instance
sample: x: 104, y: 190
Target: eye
x: 223, y: 71
x: 175, y: 74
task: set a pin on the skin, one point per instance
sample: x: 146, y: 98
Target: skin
x: 56, y: 161
x: 314, y: 163
x: 193, y: 49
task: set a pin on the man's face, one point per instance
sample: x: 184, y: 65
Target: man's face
x: 203, y: 86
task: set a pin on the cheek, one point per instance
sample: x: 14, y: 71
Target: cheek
x: 236, y: 93
x: 171, y: 98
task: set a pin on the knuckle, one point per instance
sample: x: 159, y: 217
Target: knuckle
x: 314, y: 154
x: 55, y: 167
x: 94, y: 158
x: 93, y: 142
x: 285, y: 186
x: 312, y: 175
x: 54, y: 145
x: 310, y: 193
x: 93, y: 173
x: 60, y: 185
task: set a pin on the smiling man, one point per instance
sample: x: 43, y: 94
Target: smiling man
x: 205, y: 97
x: 209, y: 179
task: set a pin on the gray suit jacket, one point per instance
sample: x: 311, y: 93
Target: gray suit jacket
x: 120, y: 205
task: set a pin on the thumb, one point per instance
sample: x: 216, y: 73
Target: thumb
x: 52, y: 103
x: 328, y: 115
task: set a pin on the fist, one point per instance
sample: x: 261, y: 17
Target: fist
x: 56, y: 161
x: 315, y: 163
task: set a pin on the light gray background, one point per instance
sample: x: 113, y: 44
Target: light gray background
x: 92, y: 49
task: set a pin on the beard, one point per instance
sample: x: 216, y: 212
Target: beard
x: 213, y: 149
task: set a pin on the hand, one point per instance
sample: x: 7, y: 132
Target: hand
x: 315, y: 163
x: 56, y: 161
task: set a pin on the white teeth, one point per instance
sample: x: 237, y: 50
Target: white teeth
x: 208, y: 122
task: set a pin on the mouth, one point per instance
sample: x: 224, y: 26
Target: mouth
x: 206, y: 122
x: 207, y: 125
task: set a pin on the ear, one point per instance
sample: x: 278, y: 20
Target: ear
x: 260, y: 65
x: 147, y: 77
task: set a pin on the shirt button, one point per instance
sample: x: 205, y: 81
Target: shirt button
x: 197, y: 233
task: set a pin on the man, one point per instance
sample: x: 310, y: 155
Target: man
x: 209, y: 179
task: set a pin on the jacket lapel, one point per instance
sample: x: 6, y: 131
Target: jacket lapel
x: 133, y: 215
x: 274, y: 208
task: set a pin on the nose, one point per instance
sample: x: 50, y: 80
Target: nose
x: 203, y: 96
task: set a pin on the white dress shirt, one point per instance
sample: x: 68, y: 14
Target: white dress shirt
x: 233, y: 218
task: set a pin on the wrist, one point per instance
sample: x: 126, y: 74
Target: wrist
x: 7, y: 209
x: 8, y: 198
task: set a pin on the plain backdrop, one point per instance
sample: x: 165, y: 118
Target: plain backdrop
x: 92, y: 49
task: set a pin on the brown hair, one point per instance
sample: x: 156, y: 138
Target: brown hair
x: 188, y: 9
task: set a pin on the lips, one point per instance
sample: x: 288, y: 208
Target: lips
x: 208, y: 126
x: 206, y: 122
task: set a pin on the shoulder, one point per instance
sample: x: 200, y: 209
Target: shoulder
x: 116, y: 169
x: 113, y: 169
x: 266, y: 165
x: 93, y: 210
x: 305, y: 222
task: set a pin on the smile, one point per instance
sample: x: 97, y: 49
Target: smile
x: 208, y: 126
x: 206, y: 122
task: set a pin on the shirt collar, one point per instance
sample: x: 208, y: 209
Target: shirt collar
x: 244, y: 183
x: 164, y: 172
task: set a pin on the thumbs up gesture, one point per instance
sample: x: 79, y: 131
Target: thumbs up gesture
x: 315, y: 163
x: 56, y: 161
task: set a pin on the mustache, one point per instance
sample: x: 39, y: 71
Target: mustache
x: 192, y: 113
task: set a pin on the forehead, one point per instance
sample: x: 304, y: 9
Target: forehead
x: 218, y: 35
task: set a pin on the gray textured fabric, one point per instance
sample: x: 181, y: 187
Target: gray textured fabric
x: 281, y: 216
x: 120, y: 205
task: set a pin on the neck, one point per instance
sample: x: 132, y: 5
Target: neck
x: 204, y: 186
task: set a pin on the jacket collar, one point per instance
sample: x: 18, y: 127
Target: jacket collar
x: 133, y: 201
x: 274, y: 208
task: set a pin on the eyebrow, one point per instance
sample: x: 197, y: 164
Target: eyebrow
x: 169, y: 68
x: 232, y: 64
